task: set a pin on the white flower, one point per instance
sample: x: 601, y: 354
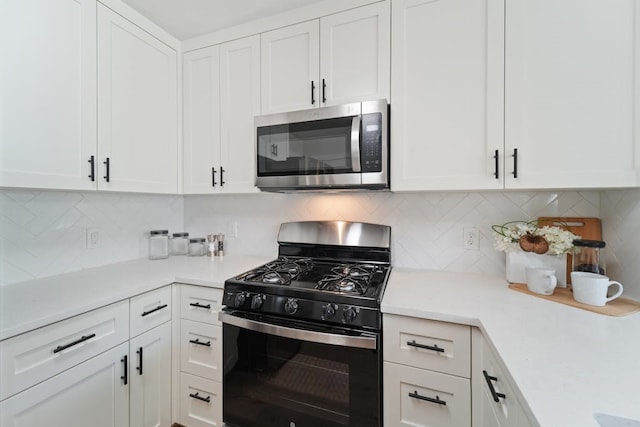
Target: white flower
x: 507, y: 236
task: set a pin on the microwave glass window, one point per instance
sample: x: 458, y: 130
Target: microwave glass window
x: 308, y: 148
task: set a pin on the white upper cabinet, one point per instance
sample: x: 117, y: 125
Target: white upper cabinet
x: 47, y: 93
x: 290, y: 66
x: 137, y: 108
x: 354, y: 55
x: 337, y: 59
x: 201, y: 106
x: 221, y: 97
x: 239, y: 103
x: 571, y: 94
x: 447, y: 94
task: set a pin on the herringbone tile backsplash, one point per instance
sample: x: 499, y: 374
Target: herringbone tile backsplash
x: 42, y: 233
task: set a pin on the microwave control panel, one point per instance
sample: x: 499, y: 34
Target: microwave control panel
x: 371, y: 149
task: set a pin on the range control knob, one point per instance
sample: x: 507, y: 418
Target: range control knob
x: 329, y: 311
x: 256, y: 301
x: 291, y: 306
x: 349, y: 314
x: 239, y: 299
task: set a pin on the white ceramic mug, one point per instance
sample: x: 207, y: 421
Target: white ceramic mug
x: 541, y: 280
x: 592, y: 288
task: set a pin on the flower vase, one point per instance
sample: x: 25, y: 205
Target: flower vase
x: 517, y: 261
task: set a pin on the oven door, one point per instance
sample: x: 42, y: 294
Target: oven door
x: 278, y: 372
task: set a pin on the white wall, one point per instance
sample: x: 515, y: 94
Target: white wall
x: 620, y: 212
x: 43, y: 233
x: 426, y: 227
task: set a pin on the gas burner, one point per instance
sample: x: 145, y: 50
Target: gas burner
x: 279, y: 272
x: 348, y: 278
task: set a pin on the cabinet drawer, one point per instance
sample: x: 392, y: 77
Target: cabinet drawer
x: 201, y: 349
x: 150, y: 310
x: 37, y: 355
x: 200, y: 401
x: 200, y: 303
x: 417, y: 397
x: 437, y: 346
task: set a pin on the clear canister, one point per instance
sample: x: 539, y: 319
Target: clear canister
x: 180, y: 244
x: 588, y: 255
x: 197, y: 246
x: 158, y: 244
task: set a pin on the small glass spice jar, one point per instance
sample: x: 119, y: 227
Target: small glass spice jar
x: 197, y: 246
x: 180, y: 244
x: 588, y: 255
x: 158, y: 244
x: 212, y: 246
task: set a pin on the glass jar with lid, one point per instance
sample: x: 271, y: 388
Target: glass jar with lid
x: 180, y: 244
x: 158, y: 244
x: 588, y: 255
x: 197, y: 246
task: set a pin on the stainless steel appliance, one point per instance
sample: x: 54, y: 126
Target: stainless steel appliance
x: 302, y: 334
x: 339, y: 147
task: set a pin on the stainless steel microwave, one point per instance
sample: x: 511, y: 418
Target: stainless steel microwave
x: 331, y: 148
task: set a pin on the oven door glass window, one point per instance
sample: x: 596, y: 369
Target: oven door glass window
x: 308, y: 148
x: 274, y: 381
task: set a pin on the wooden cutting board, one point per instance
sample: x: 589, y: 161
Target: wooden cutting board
x: 586, y: 228
x: 617, y: 307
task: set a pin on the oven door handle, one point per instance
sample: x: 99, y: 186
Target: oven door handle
x: 300, y: 334
x: 355, y: 144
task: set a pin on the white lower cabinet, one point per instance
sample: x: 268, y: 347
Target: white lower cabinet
x: 92, y: 393
x: 200, y: 401
x: 150, y: 380
x: 110, y: 367
x: 426, y: 373
x: 200, y: 391
x: 494, y: 401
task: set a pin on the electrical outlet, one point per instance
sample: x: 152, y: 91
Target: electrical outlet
x: 232, y: 229
x: 471, y: 238
x: 93, y: 238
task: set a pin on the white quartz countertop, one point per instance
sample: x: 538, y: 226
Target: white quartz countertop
x: 566, y: 363
x: 29, y: 305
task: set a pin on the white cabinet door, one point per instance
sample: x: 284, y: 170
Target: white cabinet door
x: 201, y: 138
x: 355, y: 54
x: 48, y: 95
x: 290, y: 66
x: 92, y: 393
x: 571, y: 93
x: 495, y: 403
x: 447, y: 94
x: 137, y: 108
x: 240, y: 102
x: 150, y: 375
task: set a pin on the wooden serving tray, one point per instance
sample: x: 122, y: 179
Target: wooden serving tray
x: 618, y: 307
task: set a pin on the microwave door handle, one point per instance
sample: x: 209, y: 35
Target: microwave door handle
x: 355, y: 144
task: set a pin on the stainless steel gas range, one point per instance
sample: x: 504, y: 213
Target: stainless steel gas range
x: 302, y: 334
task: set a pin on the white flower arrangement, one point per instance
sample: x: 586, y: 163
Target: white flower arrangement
x: 529, y: 237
